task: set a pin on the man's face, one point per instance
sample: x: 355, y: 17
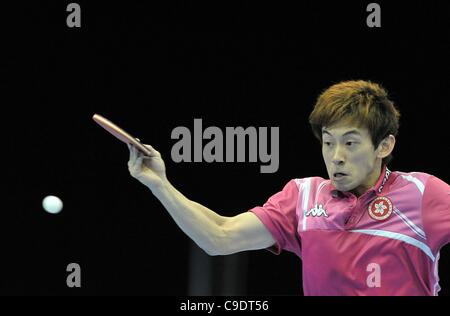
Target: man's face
x: 350, y: 158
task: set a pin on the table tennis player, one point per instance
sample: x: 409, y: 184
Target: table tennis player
x: 366, y: 230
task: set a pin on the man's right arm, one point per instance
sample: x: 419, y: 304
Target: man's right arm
x: 215, y: 234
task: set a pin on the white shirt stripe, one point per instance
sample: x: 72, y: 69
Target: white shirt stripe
x: 305, y: 200
x: 411, y: 225
x: 404, y: 238
x: 437, y: 287
x: 416, y: 181
x: 319, y: 188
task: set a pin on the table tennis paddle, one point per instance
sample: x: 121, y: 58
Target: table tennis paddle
x: 121, y: 134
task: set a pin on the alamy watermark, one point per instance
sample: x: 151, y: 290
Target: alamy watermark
x: 252, y: 143
x: 374, y: 277
x: 73, y: 19
x: 74, y: 277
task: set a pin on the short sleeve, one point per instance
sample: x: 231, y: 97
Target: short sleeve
x: 436, y: 213
x: 279, y: 216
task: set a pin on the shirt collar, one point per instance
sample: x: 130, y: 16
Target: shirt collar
x: 383, y: 181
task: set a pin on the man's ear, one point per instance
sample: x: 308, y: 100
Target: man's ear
x: 386, y: 146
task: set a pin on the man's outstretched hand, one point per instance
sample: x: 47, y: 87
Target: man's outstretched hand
x: 149, y: 170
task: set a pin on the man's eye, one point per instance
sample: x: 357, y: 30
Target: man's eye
x: 327, y: 144
x: 350, y: 143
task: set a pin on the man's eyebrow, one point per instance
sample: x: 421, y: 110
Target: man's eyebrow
x: 353, y: 131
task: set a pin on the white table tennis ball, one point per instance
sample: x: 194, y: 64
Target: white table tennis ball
x: 52, y: 204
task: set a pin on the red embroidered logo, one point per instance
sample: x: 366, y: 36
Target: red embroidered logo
x: 380, y: 208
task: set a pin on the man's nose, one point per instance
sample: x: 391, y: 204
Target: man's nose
x: 338, y: 156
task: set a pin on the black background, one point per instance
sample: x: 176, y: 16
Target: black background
x: 152, y: 67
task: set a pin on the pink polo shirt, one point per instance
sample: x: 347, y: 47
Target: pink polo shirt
x: 386, y: 242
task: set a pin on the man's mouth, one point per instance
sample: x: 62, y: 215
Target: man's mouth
x: 339, y: 175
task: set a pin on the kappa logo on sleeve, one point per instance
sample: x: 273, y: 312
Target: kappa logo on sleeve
x: 317, y: 211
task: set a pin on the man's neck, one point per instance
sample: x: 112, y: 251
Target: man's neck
x: 372, y: 179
